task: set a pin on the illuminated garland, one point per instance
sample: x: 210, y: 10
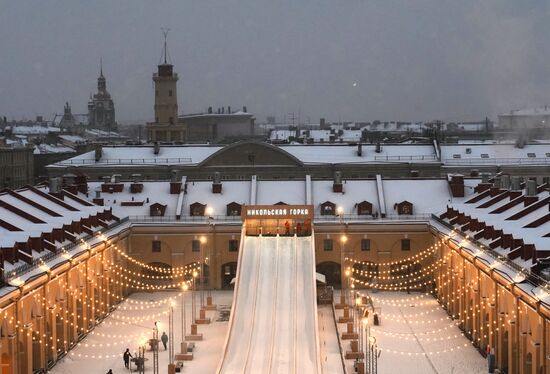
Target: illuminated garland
x: 376, y: 273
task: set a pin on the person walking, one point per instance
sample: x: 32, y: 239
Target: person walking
x: 126, y: 356
x: 110, y: 371
x: 164, y: 339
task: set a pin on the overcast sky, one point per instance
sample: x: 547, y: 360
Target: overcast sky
x: 338, y: 59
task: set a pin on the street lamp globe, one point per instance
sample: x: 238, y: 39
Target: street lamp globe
x: 344, y: 239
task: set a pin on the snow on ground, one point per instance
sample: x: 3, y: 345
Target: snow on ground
x: 331, y: 361
x: 402, y: 331
x: 417, y: 337
x: 126, y: 327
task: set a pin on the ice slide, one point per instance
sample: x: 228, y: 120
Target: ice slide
x: 273, y: 323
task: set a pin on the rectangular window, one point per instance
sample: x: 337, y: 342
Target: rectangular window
x: 405, y: 244
x: 170, y: 93
x: 327, y: 244
x: 484, y: 155
x: 155, y: 246
x: 456, y: 156
x: 196, y: 246
x: 365, y: 244
x: 531, y: 155
x: 233, y: 245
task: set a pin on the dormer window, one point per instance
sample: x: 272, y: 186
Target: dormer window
x: 197, y: 209
x: 404, y: 207
x: 531, y: 155
x: 456, y: 155
x: 328, y: 208
x: 484, y: 155
x: 364, y: 208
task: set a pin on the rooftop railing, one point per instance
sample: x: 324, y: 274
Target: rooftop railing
x: 497, y: 161
x: 128, y: 161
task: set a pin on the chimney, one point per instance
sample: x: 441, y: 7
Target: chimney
x: 516, y: 184
x: 54, y: 185
x: 321, y: 123
x: 136, y: 178
x: 228, y: 110
x: 337, y: 185
x: 505, y: 182
x: 156, y: 149
x: 244, y: 109
x: 457, y: 185
x: 97, y: 194
x: 485, y: 177
x: 359, y: 149
x: 209, y: 110
x: 474, y: 173
x: 116, y: 178
x: 531, y: 189
x: 378, y: 147
x: 98, y: 152
x: 175, y: 183
x: 217, y: 183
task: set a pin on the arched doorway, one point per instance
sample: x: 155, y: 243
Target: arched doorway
x: 332, y: 271
x: 528, y: 364
x: 505, y: 348
x: 229, y: 271
x: 6, y: 363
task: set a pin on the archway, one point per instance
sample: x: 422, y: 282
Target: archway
x: 528, y: 364
x: 332, y: 271
x: 504, y: 360
x: 229, y: 271
x: 5, y: 361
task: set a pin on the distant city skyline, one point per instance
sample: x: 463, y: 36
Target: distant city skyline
x: 353, y: 60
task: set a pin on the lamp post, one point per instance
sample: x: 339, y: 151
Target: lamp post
x: 140, y: 360
x: 203, y: 242
x: 343, y: 241
x: 171, y: 333
x: 210, y: 214
x: 156, y: 348
x: 193, y: 303
x: 184, y: 288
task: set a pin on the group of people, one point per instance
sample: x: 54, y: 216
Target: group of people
x: 300, y: 228
x: 126, y: 356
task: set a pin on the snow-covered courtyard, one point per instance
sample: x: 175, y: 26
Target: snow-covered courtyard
x: 415, y: 337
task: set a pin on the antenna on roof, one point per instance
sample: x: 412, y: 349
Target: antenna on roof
x: 165, y: 31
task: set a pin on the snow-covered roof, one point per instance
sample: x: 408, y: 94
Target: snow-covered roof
x: 538, y: 111
x: 30, y: 212
x: 34, y: 130
x: 491, y: 154
x: 49, y: 148
x: 401, y: 153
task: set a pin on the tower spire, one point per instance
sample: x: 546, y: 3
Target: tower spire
x: 165, y: 31
x: 101, y: 66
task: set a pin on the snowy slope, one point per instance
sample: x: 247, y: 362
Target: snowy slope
x: 273, y: 326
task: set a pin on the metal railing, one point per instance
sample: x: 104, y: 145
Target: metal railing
x: 497, y: 161
x: 406, y: 158
x: 128, y: 161
x: 59, y: 250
